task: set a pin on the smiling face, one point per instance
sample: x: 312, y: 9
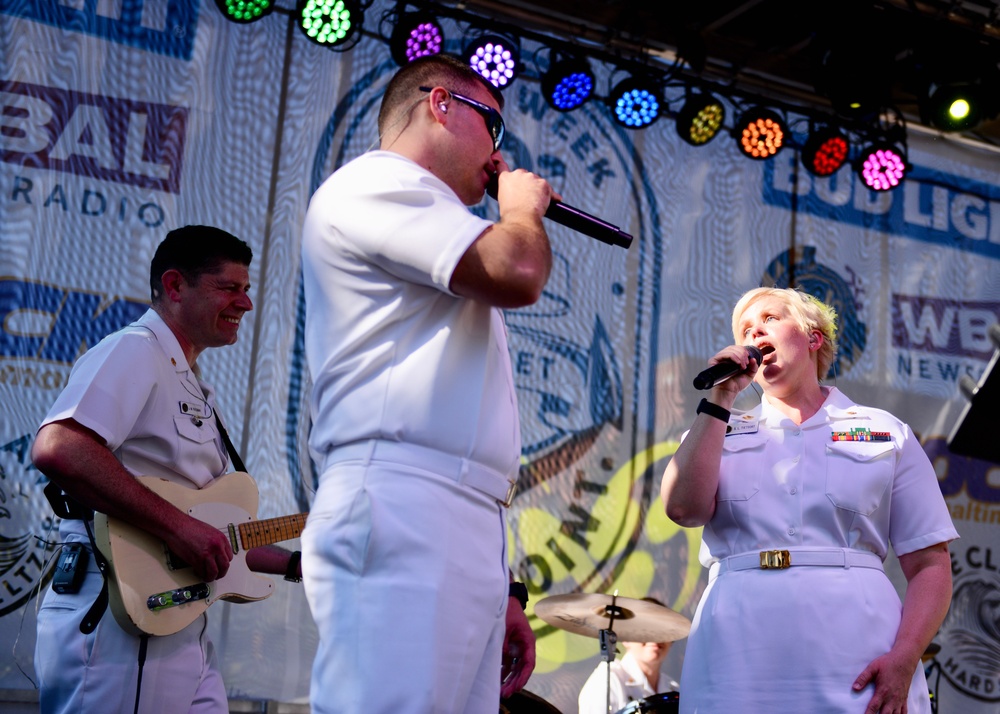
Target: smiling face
x: 206, y: 311
x: 789, y: 349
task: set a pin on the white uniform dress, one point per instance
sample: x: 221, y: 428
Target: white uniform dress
x: 787, y: 641
x: 415, y: 434
x: 136, y: 390
x: 628, y: 684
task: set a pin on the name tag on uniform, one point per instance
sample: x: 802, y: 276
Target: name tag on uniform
x: 742, y: 424
x: 194, y: 409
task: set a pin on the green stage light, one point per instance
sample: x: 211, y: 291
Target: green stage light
x: 954, y: 107
x: 244, y: 11
x: 330, y: 23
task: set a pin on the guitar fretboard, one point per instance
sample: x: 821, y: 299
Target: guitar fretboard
x: 271, y: 530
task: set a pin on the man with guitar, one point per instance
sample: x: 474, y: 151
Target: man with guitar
x: 135, y: 405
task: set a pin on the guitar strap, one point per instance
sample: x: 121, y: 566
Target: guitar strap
x: 96, y: 611
x: 233, y: 454
x: 68, y: 508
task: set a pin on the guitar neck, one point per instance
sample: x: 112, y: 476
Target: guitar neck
x: 271, y: 530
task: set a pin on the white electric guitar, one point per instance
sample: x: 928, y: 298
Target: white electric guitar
x: 151, y: 592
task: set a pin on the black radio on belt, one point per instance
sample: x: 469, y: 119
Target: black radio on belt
x: 70, y: 569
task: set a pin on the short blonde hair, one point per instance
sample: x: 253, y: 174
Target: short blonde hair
x: 810, y: 313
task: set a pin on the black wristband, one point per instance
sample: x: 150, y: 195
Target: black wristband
x: 713, y: 410
x: 292, y: 571
x: 520, y: 591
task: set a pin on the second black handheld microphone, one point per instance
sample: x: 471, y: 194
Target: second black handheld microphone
x: 719, y: 373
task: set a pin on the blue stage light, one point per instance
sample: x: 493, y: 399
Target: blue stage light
x: 635, y: 102
x: 568, y: 84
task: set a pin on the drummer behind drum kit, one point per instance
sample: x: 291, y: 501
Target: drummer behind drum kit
x: 608, y: 618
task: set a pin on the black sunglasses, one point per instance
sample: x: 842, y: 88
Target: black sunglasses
x: 494, y: 122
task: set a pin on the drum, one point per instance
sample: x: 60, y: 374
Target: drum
x: 665, y: 703
x: 524, y: 702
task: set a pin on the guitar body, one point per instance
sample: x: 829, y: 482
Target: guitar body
x: 141, y: 566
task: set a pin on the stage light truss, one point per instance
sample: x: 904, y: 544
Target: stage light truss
x: 637, y: 102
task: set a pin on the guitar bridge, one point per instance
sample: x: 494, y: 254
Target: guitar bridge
x: 180, y: 596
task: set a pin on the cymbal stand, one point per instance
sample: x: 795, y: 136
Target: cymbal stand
x: 609, y: 640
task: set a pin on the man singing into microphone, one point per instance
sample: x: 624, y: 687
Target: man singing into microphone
x: 415, y: 426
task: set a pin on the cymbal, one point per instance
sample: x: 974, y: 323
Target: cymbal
x: 635, y: 620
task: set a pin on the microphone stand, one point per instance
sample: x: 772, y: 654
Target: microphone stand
x: 608, y: 640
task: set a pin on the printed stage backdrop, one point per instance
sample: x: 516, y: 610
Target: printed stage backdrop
x: 122, y: 119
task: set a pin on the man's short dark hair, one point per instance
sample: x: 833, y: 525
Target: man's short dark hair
x: 194, y: 251
x: 433, y: 70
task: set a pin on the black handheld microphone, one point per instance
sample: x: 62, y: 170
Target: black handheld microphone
x: 577, y: 220
x: 719, y: 373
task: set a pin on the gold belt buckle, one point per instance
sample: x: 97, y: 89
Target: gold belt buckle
x: 775, y: 559
x: 511, y: 490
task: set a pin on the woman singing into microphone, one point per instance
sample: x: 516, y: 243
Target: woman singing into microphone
x: 801, y: 498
